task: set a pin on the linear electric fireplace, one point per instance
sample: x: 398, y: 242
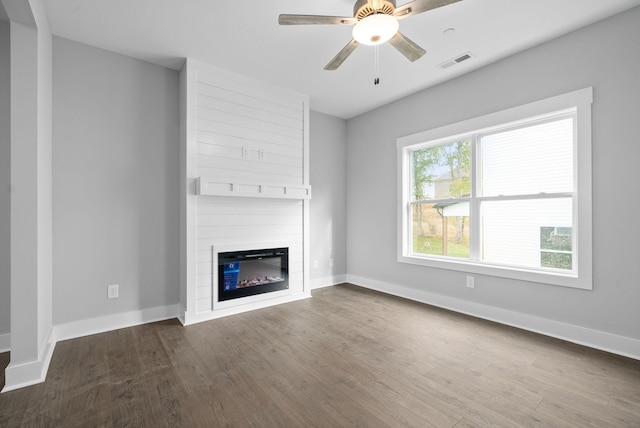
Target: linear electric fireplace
x: 251, y: 272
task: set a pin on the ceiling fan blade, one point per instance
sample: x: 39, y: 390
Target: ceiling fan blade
x: 418, y: 6
x: 285, y: 19
x: 342, y: 55
x: 407, y: 47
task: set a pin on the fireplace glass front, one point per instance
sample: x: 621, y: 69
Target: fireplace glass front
x: 247, y: 273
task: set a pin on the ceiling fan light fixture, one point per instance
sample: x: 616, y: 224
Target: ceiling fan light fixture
x: 375, y: 29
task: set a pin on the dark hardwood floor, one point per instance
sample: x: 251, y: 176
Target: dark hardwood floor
x: 347, y: 357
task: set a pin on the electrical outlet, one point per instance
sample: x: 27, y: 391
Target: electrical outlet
x: 471, y: 282
x: 331, y: 262
x: 112, y: 291
x: 315, y: 264
x: 245, y: 152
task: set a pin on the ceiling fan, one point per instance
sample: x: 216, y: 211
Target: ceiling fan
x: 375, y: 22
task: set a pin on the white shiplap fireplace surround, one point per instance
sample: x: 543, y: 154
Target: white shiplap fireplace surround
x: 245, y: 184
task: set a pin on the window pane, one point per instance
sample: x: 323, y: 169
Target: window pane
x: 521, y: 233
x: 441, y: 172
x: 429, y: 222
x: 530, y: 160
x: 555, y: 247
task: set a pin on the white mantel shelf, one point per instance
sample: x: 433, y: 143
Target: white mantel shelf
x: 215, y: 187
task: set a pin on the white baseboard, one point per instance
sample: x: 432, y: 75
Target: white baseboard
x: 327, y: 281
x: 30, y: 373
x: 5, y: 342
x: 21, y: 375
x: 106, y: 323
x: 621, y: 345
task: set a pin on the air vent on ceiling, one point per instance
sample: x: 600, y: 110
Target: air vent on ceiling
x: 456, y: 60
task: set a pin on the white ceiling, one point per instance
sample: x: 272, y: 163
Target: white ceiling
x: 244, y: 37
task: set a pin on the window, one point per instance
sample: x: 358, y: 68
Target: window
x: 556, y: 245
x: 508, y: 194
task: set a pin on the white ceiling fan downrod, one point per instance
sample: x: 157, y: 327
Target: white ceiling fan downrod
x: 376, y: 66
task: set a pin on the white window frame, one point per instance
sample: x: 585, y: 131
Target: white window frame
x: 581, y: 278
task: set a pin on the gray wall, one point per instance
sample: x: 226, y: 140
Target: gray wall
x: 605, y: 56
x: 5, y: 182
x: 116, y: 141
x: 328, y: 153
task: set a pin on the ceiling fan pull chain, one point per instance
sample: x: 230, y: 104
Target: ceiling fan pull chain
x: 376, y: 79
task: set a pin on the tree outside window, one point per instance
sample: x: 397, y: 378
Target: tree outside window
x: 441, y: 180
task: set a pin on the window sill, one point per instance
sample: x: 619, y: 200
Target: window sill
x: 571, y: 280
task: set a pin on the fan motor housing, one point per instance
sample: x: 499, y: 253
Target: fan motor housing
x: 364, y: 8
